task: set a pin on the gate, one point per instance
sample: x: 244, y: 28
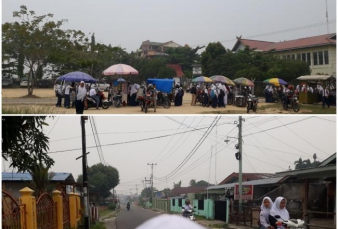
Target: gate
x: 11, y: 213
x: 220, y: 210
x: 65, y: 206
x: 46, y: 212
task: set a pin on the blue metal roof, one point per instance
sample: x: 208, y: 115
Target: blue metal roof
x: 27, y: 177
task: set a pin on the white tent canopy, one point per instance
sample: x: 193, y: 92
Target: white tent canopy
x: 314, y: 77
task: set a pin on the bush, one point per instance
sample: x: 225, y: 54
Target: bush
x: 98, y: 225
x: 112, y: 206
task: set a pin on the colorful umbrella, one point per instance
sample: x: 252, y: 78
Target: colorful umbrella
x: 120, y: 80
x: 222, y: 79
x: 244, y: 82
x: 77, y: 77
x: 120, y: 69
x: 275, y: 81
x: 202, y: 79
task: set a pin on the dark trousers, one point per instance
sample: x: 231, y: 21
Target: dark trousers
x: 79, y: 106
x: 67, y: 101
x: 325, y: 100
x: 206, y: 100
x: 59, y: 101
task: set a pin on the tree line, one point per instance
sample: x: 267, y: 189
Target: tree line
x: 41, y: 45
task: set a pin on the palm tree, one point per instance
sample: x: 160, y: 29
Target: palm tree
x: 314, y: 157
x: 40, y: 179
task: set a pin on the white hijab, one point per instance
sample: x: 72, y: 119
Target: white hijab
x: 169, y: 221
x: 81, y: 92
x: 276, y: 210
x: 265, y: 210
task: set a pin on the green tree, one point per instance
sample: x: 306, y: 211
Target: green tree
x: 41, y: 179
x: 178, y: 185
x: 102, y: 178
x: 192, y: 182
x: 25, y: 143
x: 202, y: 183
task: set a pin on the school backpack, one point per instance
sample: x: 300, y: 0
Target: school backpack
x: 222, y: 93
x: 179, y: 93
x: 212, y: 93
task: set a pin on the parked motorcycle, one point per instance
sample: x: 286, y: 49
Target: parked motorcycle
x: 251, y: 103
x: 188, y: 213
x: 163, y: 100
x: 103, y: 102
x: 293, y: 103
x: 291, y: 223
x: 117, y: 99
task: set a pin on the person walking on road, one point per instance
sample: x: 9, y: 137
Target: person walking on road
x: 80, y: 98
x: 193, y: 92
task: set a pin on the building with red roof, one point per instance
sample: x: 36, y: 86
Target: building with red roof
x: 318, y: 51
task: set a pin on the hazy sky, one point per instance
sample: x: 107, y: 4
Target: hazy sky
x: 130, y: 22
x: 265, y: 151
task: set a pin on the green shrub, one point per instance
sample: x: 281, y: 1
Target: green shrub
x: 112, y: 207
x: 98, y: 225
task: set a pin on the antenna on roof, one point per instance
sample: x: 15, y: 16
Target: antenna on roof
x: 327, y: 18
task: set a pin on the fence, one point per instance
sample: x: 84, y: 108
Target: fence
x: 49, y: 212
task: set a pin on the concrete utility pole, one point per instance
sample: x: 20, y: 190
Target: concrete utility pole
x: 152, y: 182
x: 240, y: 163
x: 136, y: 189
x: 84, y: 172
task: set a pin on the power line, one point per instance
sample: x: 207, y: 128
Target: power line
x: 53, y: 125
x: 140, y: 140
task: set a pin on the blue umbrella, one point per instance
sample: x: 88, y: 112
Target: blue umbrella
x: 78, y: 77
x: 120, y: 80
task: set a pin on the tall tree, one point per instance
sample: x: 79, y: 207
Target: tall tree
x: 192, y: 182
x: 24, y: 142
x: 177, y: 185
x: 102, y: 178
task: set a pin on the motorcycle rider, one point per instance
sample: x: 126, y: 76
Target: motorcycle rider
x: 186, y: 207
x: 288, y: 94
x: 128, y: 205
x: 93, y: 95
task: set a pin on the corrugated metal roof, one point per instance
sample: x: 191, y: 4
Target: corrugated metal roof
x: 252, y: 182
x: 28, y: 177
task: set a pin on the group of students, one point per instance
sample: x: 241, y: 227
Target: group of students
x: 216, y: 95
x: 270, y: 209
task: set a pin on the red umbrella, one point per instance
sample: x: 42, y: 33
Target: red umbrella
x: 120, y: 69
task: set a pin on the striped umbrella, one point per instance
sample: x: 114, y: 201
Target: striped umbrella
x: 222, y: 79
x: 120, y: 69
x: 202, y: 79
x: 275, y: 81
x: 244, y: 82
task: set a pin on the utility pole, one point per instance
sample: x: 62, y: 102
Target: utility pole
x: 152, y: 182
x: 136, y: 190
x: 240, y: 163
x: 327, y: 18
x: 84, y: 172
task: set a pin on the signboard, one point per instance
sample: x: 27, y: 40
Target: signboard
x: 247, y: 192
x: 197, y: 70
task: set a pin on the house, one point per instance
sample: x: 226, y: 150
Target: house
x: 150, y: 49
x: 318, y: 51
x: 13, y: 182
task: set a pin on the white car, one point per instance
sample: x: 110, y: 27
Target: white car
x: 101, y: 85
x: 24, y: 83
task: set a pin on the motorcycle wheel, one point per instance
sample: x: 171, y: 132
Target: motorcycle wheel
x: 166, y: 103
x: 247, y: 108
x: 118, y: 104
x: 86, y: 108
x: 141, y: 105
x: 146, y: 108
x: 254, y: 108
x: 105, y: 105
x: 295, y: 107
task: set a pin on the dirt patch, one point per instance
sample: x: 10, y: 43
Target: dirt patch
x: 30, y: 97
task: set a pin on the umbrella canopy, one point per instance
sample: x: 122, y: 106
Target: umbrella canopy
x: 202, y: 79
x: 120, y: 80
x: 275, y: 81
x: 77, y: 77
x: 244, y: 82
x: 120, y: 69
x: 222, y: 79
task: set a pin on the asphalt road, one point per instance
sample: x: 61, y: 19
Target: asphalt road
x: 133, y: 218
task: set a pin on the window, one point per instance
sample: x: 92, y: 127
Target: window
x: 180, y: 202
x: 288, y: 57
x: 320, y: 57
x: 308, y: 58
x: 293, y: 56
x: 284, y: 57
x: 326, y: 57
x: 200, y: 204
x: 304, y: 57
x: 315, y: 58
x: 173, y: 202
x: 299, y: 56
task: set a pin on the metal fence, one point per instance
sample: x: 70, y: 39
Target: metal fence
x: 12, y: 213
x: 46, y: 212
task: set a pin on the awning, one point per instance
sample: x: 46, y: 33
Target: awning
x: 314, y: 77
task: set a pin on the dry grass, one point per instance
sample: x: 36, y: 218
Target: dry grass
x: 30, y: 109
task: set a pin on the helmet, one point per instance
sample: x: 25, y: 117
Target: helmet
x: 150, y: 85
x: 290, y: 87
x: 187, y: 201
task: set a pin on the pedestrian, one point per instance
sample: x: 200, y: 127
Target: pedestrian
x: 178, y: 95
x: 81, y: 94
x: 67, y: 96
x: 58, y: 92
x: 214, y: 96
x: 325, y: 97
x: 132, y: 93
x: 205, y: 97
x: 221, y: 95
x: 193, y: 91
x: 278, y: 208
x: 266, y: 93
x: 266, y: 205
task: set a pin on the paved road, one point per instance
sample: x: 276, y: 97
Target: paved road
x: 133, y: 218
